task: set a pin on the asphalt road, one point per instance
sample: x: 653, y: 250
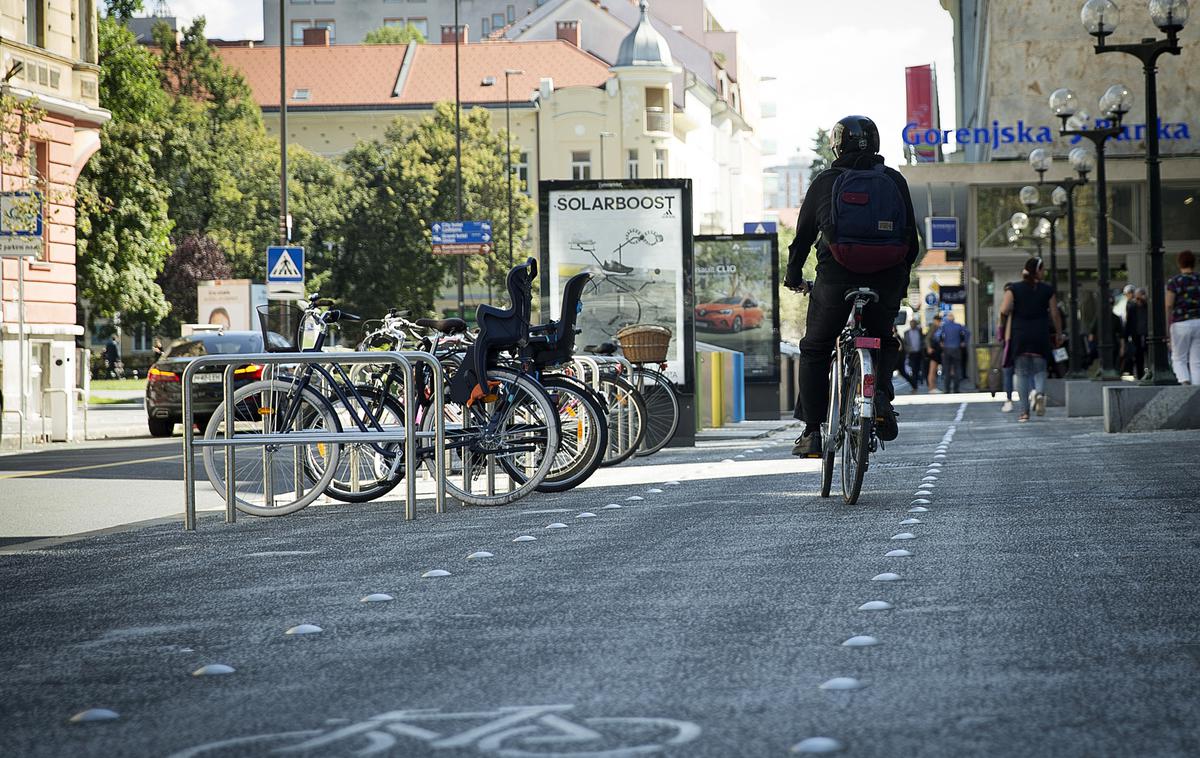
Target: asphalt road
x: 1048, y: 609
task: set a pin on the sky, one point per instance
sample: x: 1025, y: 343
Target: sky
x: 830, y: 58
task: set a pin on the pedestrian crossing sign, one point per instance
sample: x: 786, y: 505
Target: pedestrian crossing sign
x: 285, y: 272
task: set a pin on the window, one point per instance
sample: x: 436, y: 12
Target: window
x: 486, y: 27
x: 1181, y: 212
x: 660, y: 163
x: 394, y: 22
x: 35, y: 23
x: 301, y: 2
x: 298, y: 27
x: 422, y: 25
x: 323, y: 2
x: 631, y: 165
x: 523, y: 172
x: 581, y: 164
x: 142, y: 338
x: 301, y: 95
x: 497, y: 20
x: 87, y: 52
x: 39, y: 173
x: 512, y: 13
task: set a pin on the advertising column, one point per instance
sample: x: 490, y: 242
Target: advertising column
x: 737, y: 289
x: 635, y: 239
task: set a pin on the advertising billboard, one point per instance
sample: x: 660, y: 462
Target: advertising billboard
x: 225, y: 303
x: 737, y: 288
x: 922, y: 108
x: 634, y: 238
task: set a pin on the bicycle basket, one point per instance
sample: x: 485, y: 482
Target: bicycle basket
x: 644, y: 343
x: 280, y: 323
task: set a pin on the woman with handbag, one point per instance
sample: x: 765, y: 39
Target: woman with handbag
x: 1031, y: 306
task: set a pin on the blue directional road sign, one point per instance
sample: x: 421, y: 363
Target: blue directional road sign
x: 285, y: 272
x: 760, y: 227
x: 461, y: 237
x: 941, y: 233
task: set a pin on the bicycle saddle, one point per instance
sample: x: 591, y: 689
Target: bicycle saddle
x: 604, y: 348
x: 443, y: 325
x: 863, y: 292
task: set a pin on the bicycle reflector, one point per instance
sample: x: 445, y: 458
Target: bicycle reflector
x: 871, y: 343
x: 868, y: 385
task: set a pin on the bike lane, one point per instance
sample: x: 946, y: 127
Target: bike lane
x: 703, y: 619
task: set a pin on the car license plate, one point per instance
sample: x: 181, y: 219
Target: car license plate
x: 206, y: 379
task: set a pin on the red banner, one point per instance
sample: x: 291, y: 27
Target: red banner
x: 921, y: 89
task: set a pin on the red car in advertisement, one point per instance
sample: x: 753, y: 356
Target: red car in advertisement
x: 729, y: 314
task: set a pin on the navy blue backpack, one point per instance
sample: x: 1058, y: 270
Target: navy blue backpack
x: 868, y: 221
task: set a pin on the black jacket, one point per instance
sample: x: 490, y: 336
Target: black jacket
x: 815, y: 210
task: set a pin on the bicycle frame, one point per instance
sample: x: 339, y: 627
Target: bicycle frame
x: 853, y: 339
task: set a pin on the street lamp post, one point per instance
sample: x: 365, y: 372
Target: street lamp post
x: 508, y: 74
x: 458, y: 182
x: 1100, y: 18
x: 1048, y: 217
x: 1114, y: 104
x: 603, y: 136
x: 1064, y: 194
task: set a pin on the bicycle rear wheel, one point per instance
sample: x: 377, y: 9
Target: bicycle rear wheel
x: 626, y: 419
x: 583, y: 436
x: 282, y: 478
x: 662, y: 409
x: 858, y: 427
x: 516, y: 431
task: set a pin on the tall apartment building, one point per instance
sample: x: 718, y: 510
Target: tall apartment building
x: 47, y: 55
x: 348, y: 21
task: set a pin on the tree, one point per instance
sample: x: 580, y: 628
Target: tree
x: 122, y: 10
x: 824, y: 152
x: 123, y: 230
x: 319, y: 193
x: 220, y: 165
x: 394, y: 35
x: 195, y: 259
x: 792, y: 307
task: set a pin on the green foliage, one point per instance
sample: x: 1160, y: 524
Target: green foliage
x: 793, y: 307
x: 319, y: 193
x: 122, y: 10
x: 123, y: 229
x: 394, y: 35
x: 195, y: 259
x: 221, y: 167
x: 403, y: 182
x: 824, y: 152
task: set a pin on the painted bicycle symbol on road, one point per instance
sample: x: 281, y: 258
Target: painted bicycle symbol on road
x: 525, y: 731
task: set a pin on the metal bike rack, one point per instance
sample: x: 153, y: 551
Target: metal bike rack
x: 69, y: 394
x: 409, y: 435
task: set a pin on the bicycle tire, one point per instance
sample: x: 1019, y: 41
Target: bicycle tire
x: 856, y: 442
x: 534, y: 398
x: 573, y: 463
x: 832, y: 428
x: 317, y: 406
x: 662, y: 409
x: 622, y: 403
x: 342, y: 486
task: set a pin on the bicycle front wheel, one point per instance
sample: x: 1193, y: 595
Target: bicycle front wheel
x: 583, y: 435
x: 365, y: 470
x: 662, y: 409
x: 626, y: 419
x: 858, y: 427
x: 279, y: 478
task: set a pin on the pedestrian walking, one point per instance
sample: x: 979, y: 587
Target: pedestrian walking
x: 953, y: 338
x: 1183, y: 314
x: 914, y: 350
x: 1030, y: 306
x: 158, y: 348
x: 933, y: 350
x: 1137, y: 330
x: 112, y: 357
x: 1122, y: 309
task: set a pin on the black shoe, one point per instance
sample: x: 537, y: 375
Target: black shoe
x: 808, y: 445
x: 886, y: 427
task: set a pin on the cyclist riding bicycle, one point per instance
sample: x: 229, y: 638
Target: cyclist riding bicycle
x: 860, y: 214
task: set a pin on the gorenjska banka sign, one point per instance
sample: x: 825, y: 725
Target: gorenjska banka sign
x: 1022, y: 133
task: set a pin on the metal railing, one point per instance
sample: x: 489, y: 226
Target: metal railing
x: 408, y: 435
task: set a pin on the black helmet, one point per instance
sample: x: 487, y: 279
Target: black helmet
x: 854, y: 134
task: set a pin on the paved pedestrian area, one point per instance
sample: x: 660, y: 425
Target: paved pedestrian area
x: 1048, y: 608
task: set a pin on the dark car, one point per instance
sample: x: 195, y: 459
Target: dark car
x: 164, y: 396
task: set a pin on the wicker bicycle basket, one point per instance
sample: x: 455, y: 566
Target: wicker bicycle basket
x: 644, y: 343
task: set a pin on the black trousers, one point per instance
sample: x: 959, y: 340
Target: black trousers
x: 915, y: 364
x: 827, y: 313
